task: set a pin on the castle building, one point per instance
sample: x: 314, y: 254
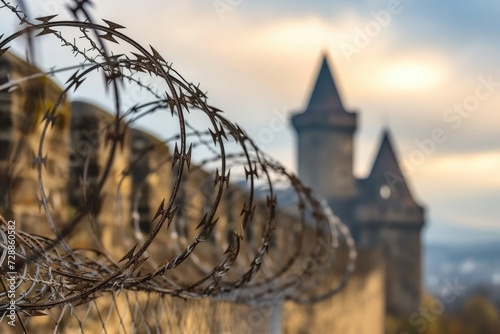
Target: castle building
x: 379, y: 209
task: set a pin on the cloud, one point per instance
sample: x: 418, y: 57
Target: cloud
x: 461, y: 174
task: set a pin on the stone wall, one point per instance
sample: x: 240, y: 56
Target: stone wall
x: 358, y: 309
x: 22, y: 112
x: 109, y: 218
x: 401, y: 245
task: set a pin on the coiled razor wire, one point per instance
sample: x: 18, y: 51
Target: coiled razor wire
x: 233, y: 224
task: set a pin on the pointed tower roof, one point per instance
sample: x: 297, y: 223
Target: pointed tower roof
x: 386, y: 171
x: 325, y: 96
x: 386, y: 158
x: 325, y: 109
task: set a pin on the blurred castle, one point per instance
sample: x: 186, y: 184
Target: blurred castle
x: 379, y: 209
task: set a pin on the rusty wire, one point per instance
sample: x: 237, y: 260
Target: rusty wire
x: 265, y: 249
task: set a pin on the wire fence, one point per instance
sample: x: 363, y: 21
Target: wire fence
x: 130, y: 233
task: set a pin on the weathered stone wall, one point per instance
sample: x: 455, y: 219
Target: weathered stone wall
x: 108, y: 223
x: 331, y: 177
x: 395, y: 228
x: 151, y: 176
x: 22, y: 110
x: 6, y: 134
x: 359, y: 308
x: 401, y: 245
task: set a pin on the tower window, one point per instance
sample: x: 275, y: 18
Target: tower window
x: 385, y: 191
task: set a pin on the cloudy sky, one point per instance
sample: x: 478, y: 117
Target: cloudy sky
x: 415, y: 66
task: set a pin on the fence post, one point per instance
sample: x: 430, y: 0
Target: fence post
x: 276, y: 318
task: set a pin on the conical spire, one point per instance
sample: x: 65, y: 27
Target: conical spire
x: 325, y: 109
x: 386, y: 160
x: 386, y: 170
x: 325, y: 96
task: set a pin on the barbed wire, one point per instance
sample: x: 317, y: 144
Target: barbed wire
x: 229, y: 224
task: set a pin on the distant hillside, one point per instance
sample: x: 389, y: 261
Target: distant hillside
x: 471, y: 265
x: 484, y: 251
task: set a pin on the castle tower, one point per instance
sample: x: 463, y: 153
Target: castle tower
x: 325, y: 143
x: 380, y: 210
x: 388, y: 217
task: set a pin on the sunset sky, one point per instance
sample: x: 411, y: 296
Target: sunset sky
x: 411, y: 71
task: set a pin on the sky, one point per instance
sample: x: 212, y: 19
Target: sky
x: 418, y: 67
